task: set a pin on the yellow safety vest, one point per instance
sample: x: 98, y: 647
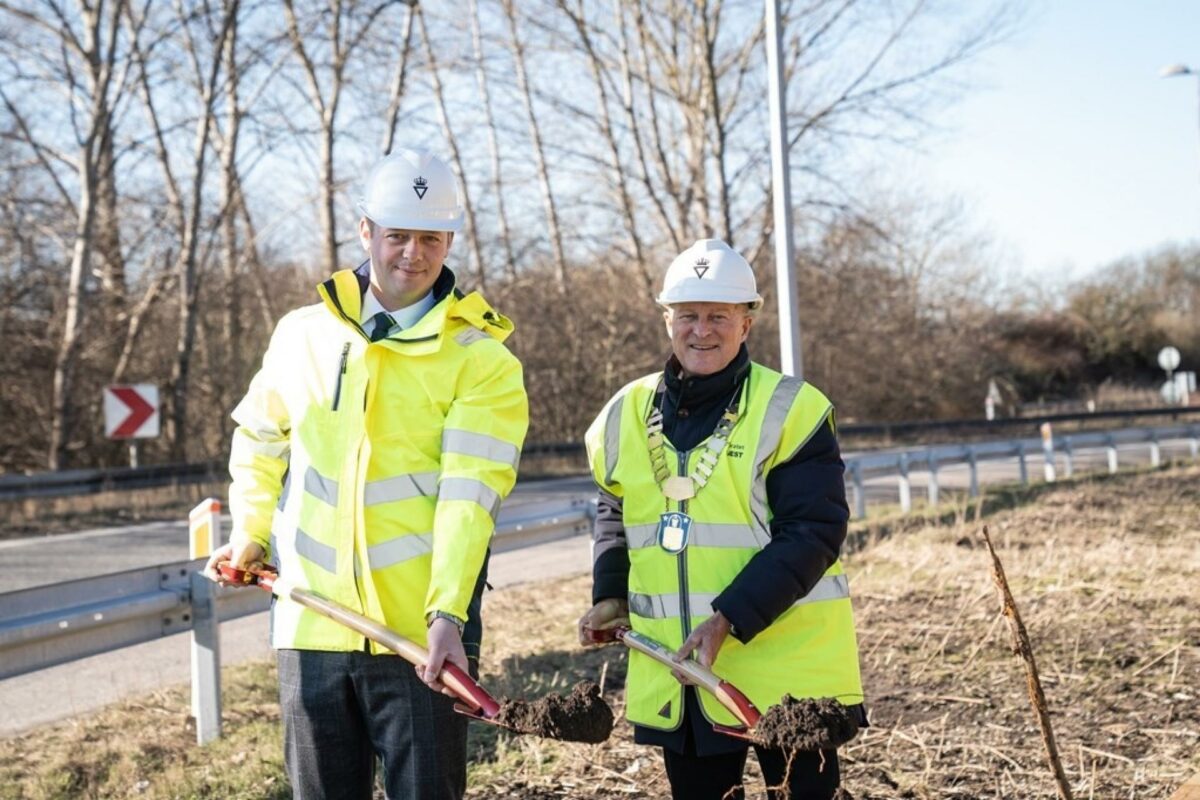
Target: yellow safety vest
x: 397, y: 455
x: 810, y: 650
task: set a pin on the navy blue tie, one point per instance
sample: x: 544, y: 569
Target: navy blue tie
x: 383, y: 326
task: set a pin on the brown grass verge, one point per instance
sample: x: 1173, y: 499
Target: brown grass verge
x: 1105, y: 572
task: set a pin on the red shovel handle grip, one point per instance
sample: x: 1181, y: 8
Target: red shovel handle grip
x: 468, y: 690
x: 745, y: 710
x: 263, y: 578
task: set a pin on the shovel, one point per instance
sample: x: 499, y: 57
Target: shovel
x: 725, y: 692
x: 474, y: 701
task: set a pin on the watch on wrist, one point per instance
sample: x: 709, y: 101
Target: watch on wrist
x: 432, y: 615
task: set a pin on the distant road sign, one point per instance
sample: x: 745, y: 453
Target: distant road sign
x: 131, y: 412
x: 1168, y: 358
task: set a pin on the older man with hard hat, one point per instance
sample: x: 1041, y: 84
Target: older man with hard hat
x: 722, y: 510
x: 372, y: 452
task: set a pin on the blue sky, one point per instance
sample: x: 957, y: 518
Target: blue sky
x: 1069, y: 150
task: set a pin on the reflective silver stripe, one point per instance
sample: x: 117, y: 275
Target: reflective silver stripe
x: 470, y: 443
x: 703, y: 534
x: 639, y: 536
x: 402, y: 548
x: 264, y: 442
x: 321, y: 554
x: 287, y: 487
x: 654, y: 606
x: 612, y: 438
x: 400, y: 487
x: 664, y: 606
x: 830, y: 587
x: 320, y: 487
x: 470, y: 336
x: 471, y: 490
x: 771, y: 432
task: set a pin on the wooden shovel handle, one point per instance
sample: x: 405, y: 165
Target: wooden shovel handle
x: 463, y: 685
x: 726, y: 693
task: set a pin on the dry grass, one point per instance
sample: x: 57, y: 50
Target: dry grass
x: 1104, y: 571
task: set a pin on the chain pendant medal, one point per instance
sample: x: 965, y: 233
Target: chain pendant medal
x: 679, y: 488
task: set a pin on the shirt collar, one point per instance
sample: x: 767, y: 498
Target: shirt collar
x: 405, y: 317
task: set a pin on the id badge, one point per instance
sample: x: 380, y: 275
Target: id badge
x: 674, y: 528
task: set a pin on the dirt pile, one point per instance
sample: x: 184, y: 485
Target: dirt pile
x: 581, y: 716
x: 806, y: 725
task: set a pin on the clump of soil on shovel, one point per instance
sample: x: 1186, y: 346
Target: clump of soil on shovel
x: 806, y: 725
x: 582, y: 716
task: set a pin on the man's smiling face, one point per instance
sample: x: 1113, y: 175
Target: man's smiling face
x: 706, y: 337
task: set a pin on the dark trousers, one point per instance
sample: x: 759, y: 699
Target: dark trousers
x: 809, y: 775
x: 341, y: 711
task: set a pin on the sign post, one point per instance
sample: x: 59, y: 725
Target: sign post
x: 131, y: 412
x: 1168, y: 359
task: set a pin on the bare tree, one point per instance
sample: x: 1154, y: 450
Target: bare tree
x: 87, y: 40
x: 324, y: 60
x: 186, y: 202
x: 396, y: 95
x: 510, y: 261
x: 455, y: 154
x: 539, y: 150
x: 629, y: 212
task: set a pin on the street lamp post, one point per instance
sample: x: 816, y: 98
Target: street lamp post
x: 790, y: 360
x: 1177, y: 70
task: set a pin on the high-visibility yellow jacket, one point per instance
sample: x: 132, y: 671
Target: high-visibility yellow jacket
x: 397, y: 455
x: 808, y: 651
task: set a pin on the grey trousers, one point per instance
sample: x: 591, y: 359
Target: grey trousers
x: 341, y: 711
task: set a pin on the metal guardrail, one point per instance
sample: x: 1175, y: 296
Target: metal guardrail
x: 49, y: 625
x: 931, y: 459
x: 94, y: 481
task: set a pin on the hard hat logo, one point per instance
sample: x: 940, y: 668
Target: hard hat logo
x: 709, y: 271
x: 420, y: 186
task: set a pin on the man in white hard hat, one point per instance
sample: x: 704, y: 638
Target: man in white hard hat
x: 722, y: 510
x: 372, y: 452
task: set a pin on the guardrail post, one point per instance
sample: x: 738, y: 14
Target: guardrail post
x: 1048, y: 451
x: 1112, y: 455
x: 905, y: 484
x: 860, y: 496
x: 1155, y: 451
x: 932, y: 488
x: 1068, y: 457
x: 206, y: 659
x: 973, y: 467
x: 204, y: 534
x: 1022, y: 469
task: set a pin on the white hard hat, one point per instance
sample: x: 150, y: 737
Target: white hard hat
x: 709, y: 271
x: 412, y: 190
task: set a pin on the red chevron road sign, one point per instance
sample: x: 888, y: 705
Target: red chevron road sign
x: 131, y: 412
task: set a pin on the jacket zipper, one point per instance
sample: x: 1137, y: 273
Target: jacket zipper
x: 337, y: 386
x: 685, y: 612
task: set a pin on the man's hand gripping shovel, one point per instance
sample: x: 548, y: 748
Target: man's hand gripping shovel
x: 474, y: 701
x: 726, y: 693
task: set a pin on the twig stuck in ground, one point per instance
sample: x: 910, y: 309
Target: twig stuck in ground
x: 1023, y: 647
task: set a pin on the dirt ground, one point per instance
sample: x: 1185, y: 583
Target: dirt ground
x: 1106, y: 575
